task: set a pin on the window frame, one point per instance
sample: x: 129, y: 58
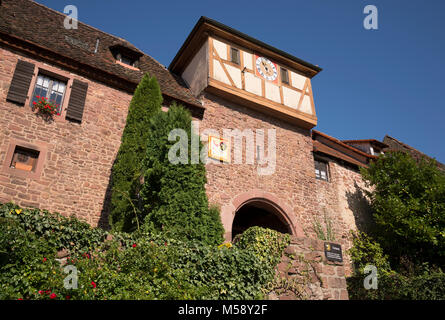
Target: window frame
x: 287, y: 75
x: 232, y: 49
x: 54, y: 73
x: 119, y: 56
x: 40, y: 147
x: 50, y: 86
x: 328, y: 175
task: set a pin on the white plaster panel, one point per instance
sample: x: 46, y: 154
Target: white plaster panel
x: 221, y: 48
x: 306, y: 105
x: 272, y: 92
x: 253, y: 83
x: 297, y: 80
x: 248, y: 60
x: 235, y: 74
x: 218, y: 72
x: 291, y: 97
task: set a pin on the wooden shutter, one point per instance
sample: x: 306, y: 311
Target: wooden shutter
x: 76, y: 103
x: 18, y: 90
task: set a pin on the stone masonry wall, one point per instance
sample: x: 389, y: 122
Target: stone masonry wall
x: 343, y: 202
x: 293, y: 182
x: 305, y: 273
x: 76, y: 171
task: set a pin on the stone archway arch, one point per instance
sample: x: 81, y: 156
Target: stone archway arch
x: 270, y: 200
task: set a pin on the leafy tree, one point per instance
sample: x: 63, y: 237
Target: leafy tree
x: 408, y: 199
x: 173, y: 195
x: 366, y: 251
x: 126, y: 171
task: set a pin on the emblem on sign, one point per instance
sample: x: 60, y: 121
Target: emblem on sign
x: 333, y: 252
x: 219, y: 149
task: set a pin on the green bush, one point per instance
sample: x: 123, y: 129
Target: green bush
x: 127, y: 170
x: 129, y: 266
x: 394, y: 286
x: 173, y: 194
x: 59, y: 232
x: 408, y: 200
x: 366, y: 251
x: 266, y: 244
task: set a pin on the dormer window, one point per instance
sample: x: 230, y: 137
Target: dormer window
x: 126, y: 56
x: 126, y: 60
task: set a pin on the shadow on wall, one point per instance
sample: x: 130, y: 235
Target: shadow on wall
x: 106, y: 207
x: 360, y: 206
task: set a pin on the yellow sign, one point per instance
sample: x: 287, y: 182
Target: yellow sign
x: 219, y: 149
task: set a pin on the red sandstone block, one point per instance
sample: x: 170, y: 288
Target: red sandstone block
x: 336, y: 295
x: 329, y: 270
x: 9, y: 191
x: 344, y: 294
x: 340, y: 271
x: 324, y: 282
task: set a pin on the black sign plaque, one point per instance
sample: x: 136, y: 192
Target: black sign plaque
x: 332, y: 252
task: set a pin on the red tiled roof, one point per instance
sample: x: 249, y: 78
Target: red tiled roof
x: 320, y: 147
x: 372, y: 141
x: 343, y: 144
x: 43, y: 27
x: 396, y: 145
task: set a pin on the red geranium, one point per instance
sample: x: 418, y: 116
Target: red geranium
x: 46, y: 108
x: 52, y: 296
x: 93, y: 284
x: 134, y: 245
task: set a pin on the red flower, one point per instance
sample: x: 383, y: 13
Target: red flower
x: 68, y: 297
x: 44, y: 259
x: 19, y: 299
x: 52, y: 296
x: 93, y: 284
x: 38, y: 97
x: 58, y: 114
x: 134, y: 245
x: 40, y: 292
x: 34, y: 103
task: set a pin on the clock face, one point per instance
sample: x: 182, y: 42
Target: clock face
x: 266, y: 68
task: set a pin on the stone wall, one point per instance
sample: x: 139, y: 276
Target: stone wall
x: 305, y: 274
x: 76, y: 170
x: 344, y: 203
x: 293, y: 185
x: 293, y: 182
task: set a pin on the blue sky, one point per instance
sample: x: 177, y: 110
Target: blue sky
x: 374, y: 82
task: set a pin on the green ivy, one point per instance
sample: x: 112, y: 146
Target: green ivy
x: 395, y: 286
x: 139, y: 265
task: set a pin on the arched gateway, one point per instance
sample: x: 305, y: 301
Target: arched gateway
x: 258, y: 208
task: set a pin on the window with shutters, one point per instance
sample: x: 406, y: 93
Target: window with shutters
x: 321, y: 170
x: 31, y: 80
x: 51, y: 88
